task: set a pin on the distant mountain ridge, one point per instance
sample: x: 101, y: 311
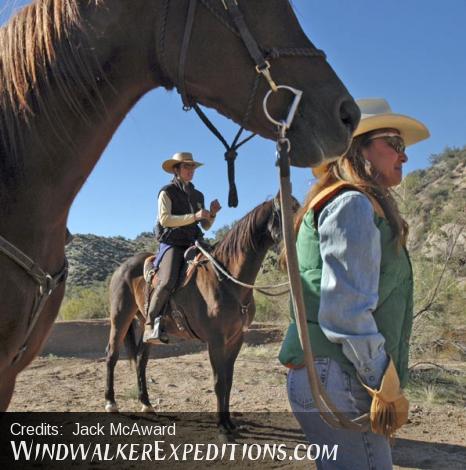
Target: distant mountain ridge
x: 93, y: 258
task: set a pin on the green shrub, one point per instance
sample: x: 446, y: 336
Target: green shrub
x: 436, y: 385
x: 271, y: 309
x: 435, y: 331
x: 86, y: 302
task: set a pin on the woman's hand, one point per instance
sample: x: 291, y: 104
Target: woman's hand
x: 389, y: 408
x: 202, y: 214
x: 214, y: 207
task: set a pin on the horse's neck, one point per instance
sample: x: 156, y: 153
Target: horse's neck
x: 55, y: 166
x: 247, y: 266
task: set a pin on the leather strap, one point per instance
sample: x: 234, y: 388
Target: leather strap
x: 47, y: 284
x: 21, y: 259
x: 328, y: 412
x: 246, y: 36
x: 230, y: 149
x: 259, y: 58
x: 184, y: 53
x: 321, y: 199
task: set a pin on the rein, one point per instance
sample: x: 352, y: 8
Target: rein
x: 219, y: 268
x: 327, y: 409
x: 260, y: 58
x: 47, y: 283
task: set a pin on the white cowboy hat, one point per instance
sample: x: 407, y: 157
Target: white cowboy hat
x: 180, y: 157
x: 377, y: 114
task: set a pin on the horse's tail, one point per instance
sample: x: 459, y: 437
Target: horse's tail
x: 131, y: 344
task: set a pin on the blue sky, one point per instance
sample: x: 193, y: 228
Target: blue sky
x: 411, y: 52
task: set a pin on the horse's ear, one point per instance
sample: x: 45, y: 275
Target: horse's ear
x: 296, y: 205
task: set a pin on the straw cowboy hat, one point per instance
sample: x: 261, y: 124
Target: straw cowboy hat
x: 377, y: 114
x: 181, y: 157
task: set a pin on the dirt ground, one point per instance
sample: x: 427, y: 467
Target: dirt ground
x: 434, y: 438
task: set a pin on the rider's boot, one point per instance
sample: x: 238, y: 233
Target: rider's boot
x: 153, y: 332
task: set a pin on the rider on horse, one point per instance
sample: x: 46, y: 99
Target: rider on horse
x: 180, y: 210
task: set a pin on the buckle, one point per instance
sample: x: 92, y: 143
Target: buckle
x: 225, y: 5
x: 47, y: 286
x: 265, y: 71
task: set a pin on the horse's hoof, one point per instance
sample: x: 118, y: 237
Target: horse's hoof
x: 147, y: 409
x: 238, y: 428
x: 231, y: 427
x: 226, y: 438
x: 111, y: 407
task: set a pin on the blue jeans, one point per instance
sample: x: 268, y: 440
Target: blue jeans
x: 356, y: 450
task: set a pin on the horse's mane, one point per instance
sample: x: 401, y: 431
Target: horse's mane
x: 46, y: 69
x: 242, y: 236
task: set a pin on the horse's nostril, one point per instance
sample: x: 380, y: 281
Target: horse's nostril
x: 350, y: 114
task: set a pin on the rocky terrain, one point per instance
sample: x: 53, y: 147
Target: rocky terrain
x: 434, y: 203
x: 93, y: 258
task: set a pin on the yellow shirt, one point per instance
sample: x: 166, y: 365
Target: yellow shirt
x: 167, y: 219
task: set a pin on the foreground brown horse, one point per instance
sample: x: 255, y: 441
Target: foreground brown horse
x: 218, y: 311
x: 70, y: 70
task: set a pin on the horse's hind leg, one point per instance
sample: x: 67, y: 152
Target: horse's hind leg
x: 122, y: 311
x: 142, y: 359
x: 111, y: 360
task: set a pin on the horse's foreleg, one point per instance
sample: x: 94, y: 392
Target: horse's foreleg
x: 142, y: 359
x: 232, y: 353
x: 217, y: 361
x: 222, y: 358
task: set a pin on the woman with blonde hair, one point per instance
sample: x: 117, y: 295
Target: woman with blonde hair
x: 357, y: 286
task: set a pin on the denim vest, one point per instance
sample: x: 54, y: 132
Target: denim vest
x: 393, y: 314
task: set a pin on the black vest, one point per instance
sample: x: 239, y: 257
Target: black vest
x: 182, y: 203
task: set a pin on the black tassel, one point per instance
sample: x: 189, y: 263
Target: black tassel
x: 230, y: 157
x: 233, y: 196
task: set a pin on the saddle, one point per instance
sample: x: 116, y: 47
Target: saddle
x: 193, y: 259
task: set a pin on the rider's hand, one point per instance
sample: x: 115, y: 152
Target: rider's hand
x: 214, y: 207
x: 201, y: 215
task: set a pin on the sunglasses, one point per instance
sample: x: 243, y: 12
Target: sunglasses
x: 395, y: 142
x: 188, y: 166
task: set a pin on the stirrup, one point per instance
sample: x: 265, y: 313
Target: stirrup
x: 154, y: 335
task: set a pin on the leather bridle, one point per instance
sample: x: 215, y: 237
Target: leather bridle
x: 262, y: 61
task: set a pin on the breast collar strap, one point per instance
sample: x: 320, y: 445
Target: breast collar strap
x: 46, y: 285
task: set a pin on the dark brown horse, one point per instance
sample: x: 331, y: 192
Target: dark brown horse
x: 218, y: 311
x: 70, y: 70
